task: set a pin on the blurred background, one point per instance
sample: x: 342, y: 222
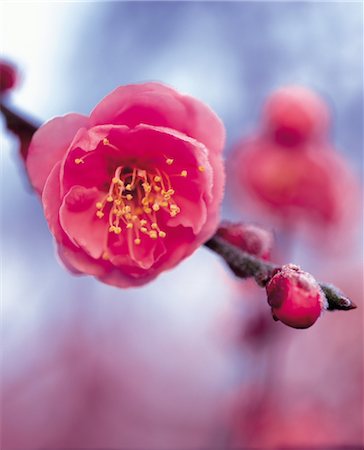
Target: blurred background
x: 192, y: 360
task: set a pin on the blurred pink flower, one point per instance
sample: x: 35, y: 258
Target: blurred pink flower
x: 133, y: 189
x: 8, y: 77
x: 300, y: 186
x: 295, y: 297
x: 294, y: 115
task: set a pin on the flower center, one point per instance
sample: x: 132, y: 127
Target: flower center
x: 135, y: 199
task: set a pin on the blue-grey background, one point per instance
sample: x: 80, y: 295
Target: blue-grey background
x: 230, y: 55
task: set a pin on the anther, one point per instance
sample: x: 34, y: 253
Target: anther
x: 98, y: 205
x: 128, y: 187
x: 100, y: 214
x: 156, y: 207
x: 79, y: 161
x: 169, y: 161
x: 129, y: 225
x: 106, y: 141
x: 109, y: 198
x: 144, y: 230
x: 105, y: 256
x: 137, y: 241
x: 162, y: 234
x: 117, y: 230
x: 111, y: 229
x: 184, y: 173
x: 157, y: 179
x: 115, y: 180
x: 201, y: 168
x: 129, y: 197
x: 153, y: 234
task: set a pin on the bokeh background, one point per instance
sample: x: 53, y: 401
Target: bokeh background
x: 191, y: 360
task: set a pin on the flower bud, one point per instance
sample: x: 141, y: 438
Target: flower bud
x: 295, y: 297
x: 249, y: 238
x: 294, y: 114
x: 8, y: 77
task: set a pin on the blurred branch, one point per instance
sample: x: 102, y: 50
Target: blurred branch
x: 241, y: 263
x: 22, y: 127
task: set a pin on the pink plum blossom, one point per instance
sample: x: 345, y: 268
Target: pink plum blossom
x: 133, y: 189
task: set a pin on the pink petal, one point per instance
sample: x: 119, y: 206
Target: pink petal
x: 97, y: 159
x: 52, y: 201
x: 159, y: 105
x: 79, y: 221
x: 48, y: 146
x: 205, y: 125
x: 75, y: 259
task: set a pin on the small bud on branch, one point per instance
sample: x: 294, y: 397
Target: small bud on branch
x: 245, y: 265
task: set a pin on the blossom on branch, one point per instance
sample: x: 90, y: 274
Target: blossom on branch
x: 133, y: 189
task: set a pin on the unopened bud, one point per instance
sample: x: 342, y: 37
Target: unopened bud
x: 249, y: 238
x: 295, y: 297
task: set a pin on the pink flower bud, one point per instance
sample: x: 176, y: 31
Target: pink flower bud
x: 8, y: 77
x: 295, y: 297
x: 294, y: 115
x: 249, y: 238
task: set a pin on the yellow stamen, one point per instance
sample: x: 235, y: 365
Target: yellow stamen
x: 105, y: 256
x: 135, y: 196
x: 106, y: 141
x: 79, y: 161
x: 169, y: 161
x: 201, y: 168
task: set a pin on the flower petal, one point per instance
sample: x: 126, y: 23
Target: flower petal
x: 160, y: 105
x: 48, y: 146
x: 79, y: 221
